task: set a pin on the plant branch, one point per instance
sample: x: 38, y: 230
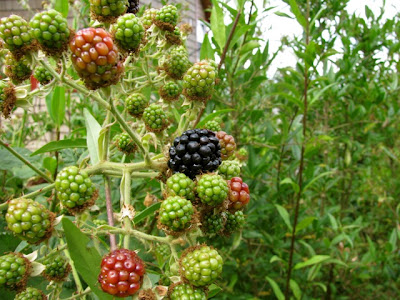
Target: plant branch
x: 26, y: 162
x: 110, y: 217
x: 126, y: 194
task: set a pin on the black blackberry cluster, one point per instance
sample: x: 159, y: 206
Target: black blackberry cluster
x: 133, y: 6
x: 194, y: 152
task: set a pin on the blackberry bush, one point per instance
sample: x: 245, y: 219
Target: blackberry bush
x: 51, y: 30
x: 155, y: 118
x: 184, y: 291
x: 121, y: 273
x: 212, y: 189
x: 135, y: 104
x: 31, y: 293
x: 17, y: 71
x: 129, y: 32
x: 194, y: 152
x: 199, y: 81
x: 29, y: 220
x: 229, y: 169
x: 181, y: 185
x: 200, y: 265
x: 75, y: 189
x: 176, y: 213
x: 167, y: 17
x: 14, y: 270
x: 57, y: 268
x: 96, y: 58
x: 42, y: 75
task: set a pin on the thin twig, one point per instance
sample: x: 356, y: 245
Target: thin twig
x: 110, y: 217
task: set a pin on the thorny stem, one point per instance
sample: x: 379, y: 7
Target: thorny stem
x: 21, y: 158
x: 53, y: 252
x: 82, y: 294
x: 136, y: 233
x: 301, y: 169
x: 126, y: 194
x: 110, y: 217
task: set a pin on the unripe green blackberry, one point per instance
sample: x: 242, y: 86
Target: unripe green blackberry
x: 212, y: 223
x: 164, y: 279
x: 129, y: 32
x: 199, y: 81
x: 163, y: 250
x: 181, y: 185
x: 51, y: 30
x: 242, y: 154
x: 107, y: 10
x: 174, y: 37
x: 57, y: 268
x: 155, y: 118
x: 17, y: 71
x: 7, y: 98
x: 167, y: 17
x: 135, y: 104
x: 234, y: 221
x: 148, y: 17
x: 42, y: 75
x: 31, y: 294
x: 213, y: 126
x: 176, y: 213
x: 99, y: 222
x: 14, y: 270
x: 170, y: 91
x: 176, y: 64
x: 212, y: 189
x: 29, y: 220
x: 96, y: 58
x: 75, y: 189
x: 229, y: 169
x: 16, y: 34
x: 124, y: 143
x: 184, y: 291
x: 200, y: 265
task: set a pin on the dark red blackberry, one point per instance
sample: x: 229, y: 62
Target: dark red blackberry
x: 133, y: 6
x: 194, y: 152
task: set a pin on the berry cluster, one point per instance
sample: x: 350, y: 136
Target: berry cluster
x: 30, y: 294
x: 229, y: 169
x: 154, y: 118
x: 129, y: 32
x: 228, y: 145
x: 17, y: 71
x: 199, y: 81
x: 121, y: 273
x: 57, y: 268
x: 200, y: 265
x: 42, y: 75
x: 194, y: 152
x: 75, y: 189
x: 124, y: 143
x: 212, y: 189
x: 180, y: 185
x: 29, y: 220
x: 135, y: 104
x: 16, y: 34
x: 184, y: 291
x: 95, y: 57
x: 176, y: 213
x: 14, y: 270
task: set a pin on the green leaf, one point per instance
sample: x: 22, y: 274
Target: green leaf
x: 85, y: 257
x: 282, y: 14
x: 148, y: 211
x: 212, y: 116
x: 316, y: 179
x: 56, y: 105
x: 249, y: 46
x: 217, y: 24
x: 213, y: 290
x: 275, y: 287
x: 62, y: 6
x: 206, y: 51
x: 290, y: 181
x: 285, y: 215
x: 304, y: 223
x: 312, y: 261
x: 295, y: 289
x: 93, y: 133
x: 296, y: 11
x: 50, y: 164
x: 320, y: 93
x: 333, y: 222
x: 60, y: 145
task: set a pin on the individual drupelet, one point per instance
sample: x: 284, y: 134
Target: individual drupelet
x: 176, y: 213
x: 199, y: 81
x: 181, y: 185
x: 154, y: 118
x: 96, y: 58
x: 212, y: 189
x: 129, y: 32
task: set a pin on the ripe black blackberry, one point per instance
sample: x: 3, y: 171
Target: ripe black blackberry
x: 133, y: 6
x: 194, y: 152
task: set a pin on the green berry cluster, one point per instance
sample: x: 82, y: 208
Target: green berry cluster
x: 176, y: 213
x: 135, y: 104
x: 100, y: 222
x: 242, y: 154
x: 199, y: 81
x: 176, y: 64
x: 181, y: 185
x: 19, y: 70
x: 29, y: 220
x: 51, y: 30
x: 213, y: 126
x: 30, y: 294
x: 42, y: 75
x: 154, y: 118
x: 201, y: 265
x: 184, y: 291
x: 129, y: 32
x: 124, y: 143
x: 15, y: 32
x: 212, y: 223
x: 212, y: 189
x: 74, y: 188
x: 229, y: 169
x: 167, y: 17
x: 148, y: 17
x: 163, y: 250
x: 14, y: 269
x: 57, y: 268
x: 234, y: 221
x: 7, y: 98
x: 170, y: 91
x: 105, y: 10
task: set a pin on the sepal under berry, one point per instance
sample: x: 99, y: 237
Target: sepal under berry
x: 174, y: 37
x: 14, y: 271
x: 212, y: 189
x: 154, y: 118
x: 167, y: 17
x: 31, y: 293
x: 29, y: 220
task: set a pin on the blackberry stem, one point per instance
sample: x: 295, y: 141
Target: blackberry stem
x: 126, y: 204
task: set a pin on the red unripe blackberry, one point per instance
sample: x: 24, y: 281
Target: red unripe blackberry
x: 121, y: 273
x: 96, y: 57
x: 228, y: 145
x: 239, y: 194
